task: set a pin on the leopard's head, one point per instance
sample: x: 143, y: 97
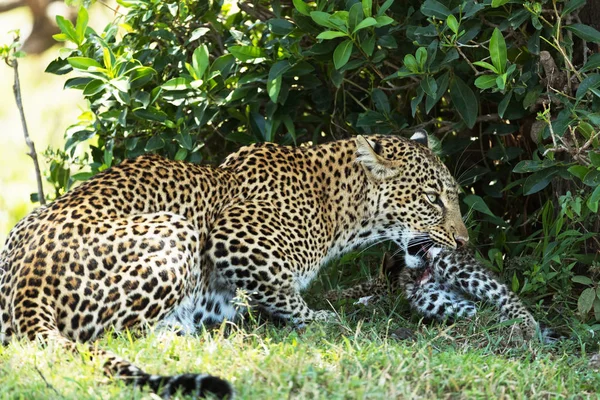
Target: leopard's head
x: 411, y: 192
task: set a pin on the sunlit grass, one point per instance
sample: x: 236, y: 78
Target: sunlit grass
x: 355, y: 358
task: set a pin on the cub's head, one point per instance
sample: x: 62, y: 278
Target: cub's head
x: 412, y: 194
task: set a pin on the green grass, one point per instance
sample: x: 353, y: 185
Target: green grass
x: 355, y: 358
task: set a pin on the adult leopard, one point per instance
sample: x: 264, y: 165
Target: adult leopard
x: 159, y: 241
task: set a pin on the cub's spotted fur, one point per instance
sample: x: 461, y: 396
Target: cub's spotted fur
x: 158, y: 241
x: 438, y: 288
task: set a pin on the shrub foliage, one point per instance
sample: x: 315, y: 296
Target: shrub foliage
x: 509, y: 91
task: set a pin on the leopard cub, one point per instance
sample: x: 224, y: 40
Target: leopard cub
x: 442, y: 288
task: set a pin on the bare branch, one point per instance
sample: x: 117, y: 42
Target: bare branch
x: 32, y: 153
x: 11, y: 5
x: 46, y: 382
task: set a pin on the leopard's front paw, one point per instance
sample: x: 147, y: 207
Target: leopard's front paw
x: 324, y: 316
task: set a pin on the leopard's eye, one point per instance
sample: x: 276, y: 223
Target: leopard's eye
x: 432, y: 197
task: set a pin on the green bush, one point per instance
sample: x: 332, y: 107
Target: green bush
x: 508, y: 90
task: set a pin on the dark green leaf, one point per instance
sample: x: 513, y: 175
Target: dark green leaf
x: 504, y: 104
x: 280, y: 26
x: 585, y: 32
x: 433, y: 8
x: 200, y: 60
x: 464, y: 100
x: 185, y: 140
x: 593, y: 200
x: 93, y: 87
x: 452, y: 23
x: 571, y: 6
x: 585, y: 301
x: 592, y: 178
x: 322, y: 18
x: 579, y: 171
x: 476, y: 203
x: 355, y: 16
x: 367, y: 6
x: 421, y: 57
x: 154, y: 143
x: 595, y: 158
x: 498, y: 51
x: 533, y: 166
x: 504, y: 154
x: 181, y: 154
x: 247, y: 53
x: 83, y: 63
x: 533, y: 44
x: 592, y: 63
x: 273, y: 88
x: 257, y: 123
x: 177, y: 84
x: 59, y: 67
x: 369, y: 119
x: 368, y: 45
x: 429, y: 86
x: 451, y: 55
x: 410, y: 62
x: 384, y: 7
x: 485, y: 81
x: 539, y: 180
x: 584, y: 280
x: 414, y: 103
x: 383, y: 20
x: 77, y: 83
x: 302, y: 7
x: 223, y: 64
x: 369, y: 21
x: 342, y: 53
x: 151, y: 114
x: 442, y: 86
x: 592, y: 81
x: 381, y: 101
x: 327, y: 35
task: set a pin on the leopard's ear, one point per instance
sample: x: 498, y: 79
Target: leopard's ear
x: 376, y: 167
x: 420, y: 136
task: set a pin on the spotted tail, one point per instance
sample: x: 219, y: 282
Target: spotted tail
x: 200, y: 385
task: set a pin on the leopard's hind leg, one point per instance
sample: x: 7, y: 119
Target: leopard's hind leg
x: 123, y: 273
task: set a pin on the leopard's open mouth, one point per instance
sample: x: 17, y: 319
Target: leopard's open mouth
x: 419, y: 246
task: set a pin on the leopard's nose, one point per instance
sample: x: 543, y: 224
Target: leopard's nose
x: 461, y: 241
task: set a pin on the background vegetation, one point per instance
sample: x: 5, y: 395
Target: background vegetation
x: 509, y: 91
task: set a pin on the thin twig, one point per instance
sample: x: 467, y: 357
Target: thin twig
x: 467, y: 60
x: 46, y: 382
x: 357, y: 101
x: 32, y: 153
x: 11, y: 5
